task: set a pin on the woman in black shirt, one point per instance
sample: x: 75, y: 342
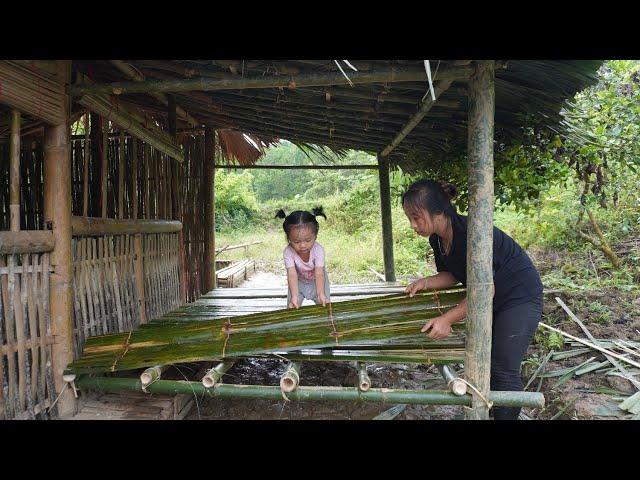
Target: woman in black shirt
x: 517, y: 300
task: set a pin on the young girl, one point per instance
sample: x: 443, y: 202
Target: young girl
x: 517, y: 300
x: 304, y: 258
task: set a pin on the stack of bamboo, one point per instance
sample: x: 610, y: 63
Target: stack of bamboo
x: 388, y: 324
x: 32, y: 91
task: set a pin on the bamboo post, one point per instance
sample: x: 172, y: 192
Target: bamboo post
x: 290, y: 379
x: 85, y: 168
x: 456, y: 385
x: 104, y: 166
x: 480, y: 236
x: 213, y: 376
x: 364, y: 382
x: 152, y: 374
x: 57, y: 213
x: 14, y: 182
x: 138, y: 266
x: 121, y: 174
x: 385, y: 211
x: 209, y: 212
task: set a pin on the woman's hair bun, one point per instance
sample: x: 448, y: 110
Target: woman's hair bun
x: 280, y: 214
x: 450, y: 189
x: 318, y: 212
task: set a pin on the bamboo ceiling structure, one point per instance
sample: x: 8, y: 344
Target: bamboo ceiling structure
x: 312, y: 102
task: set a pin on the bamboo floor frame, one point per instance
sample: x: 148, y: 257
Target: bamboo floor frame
x: 272, y: 298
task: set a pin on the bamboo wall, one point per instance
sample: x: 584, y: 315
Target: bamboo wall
x: 106, y: 293
x: 26, y: 382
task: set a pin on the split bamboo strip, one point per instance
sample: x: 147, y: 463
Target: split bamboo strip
x: 121, y: 168
x: 14, y: 180
x: 290, y: 379
x: 377, y: 395
x: 372, y: 321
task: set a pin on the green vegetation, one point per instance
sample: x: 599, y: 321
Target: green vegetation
x: 544, y: 186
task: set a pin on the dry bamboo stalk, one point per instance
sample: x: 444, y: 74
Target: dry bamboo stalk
x: 85, y: 169
x: 3, y: 407
x: 592, y: 345
x: 98, y: 291
x: 152, y: 374
x: 77, y: 318
x: 16, y: 317
x: 114, y: 283
x: 33, y: 326
x: 14, y: 181
x: 121, y: 175
x: 25, y: 327
x: 145, y: 160
x: 88, y: 271
x: 39, y: 290
x: 80, y: 285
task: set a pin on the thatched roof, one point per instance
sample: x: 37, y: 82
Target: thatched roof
x: 315, y: 104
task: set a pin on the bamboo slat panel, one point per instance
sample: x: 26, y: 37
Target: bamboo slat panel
x: 26, y: 382
x: 162, y: 272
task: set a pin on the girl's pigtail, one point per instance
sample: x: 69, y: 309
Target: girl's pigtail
x: 318, y: 212
x: 280, y: 214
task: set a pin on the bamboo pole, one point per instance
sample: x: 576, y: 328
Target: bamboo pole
x: 374, y: 395
x: 151, y: 375
x: 57, y: 212
x: 290, y: 379
x: 104, y: 166
x: 388, y: 75
x: 213, y: 376
x: 209, y: 212
x: 91, y: 226
x: 26, y: 241
x: 85, y: 168
x: 137, y: 241
x: 134, y: 75
x: 300, y: 167
x: 127, y: 121
x: 415, y: 120
x: 455, y: 384
x: 385, y: 212
x: 121, y: 175
x: 480, y: 235
x: 364, y: 382
x: 14, y: 180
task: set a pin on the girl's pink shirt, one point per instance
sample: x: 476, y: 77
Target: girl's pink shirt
x: 304, y: 269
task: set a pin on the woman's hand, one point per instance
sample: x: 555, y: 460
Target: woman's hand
x: 440, y: 328
x: 416, y: 286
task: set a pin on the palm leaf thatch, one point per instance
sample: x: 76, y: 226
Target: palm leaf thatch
x: 241, y: 148
x: 381, y: 323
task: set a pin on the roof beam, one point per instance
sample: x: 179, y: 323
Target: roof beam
x: 415, y: 120
x: 131, y: 72
x: 127, y: 121
x: 390, y: 75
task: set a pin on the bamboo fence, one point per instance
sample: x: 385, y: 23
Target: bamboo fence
x: 26, y: 382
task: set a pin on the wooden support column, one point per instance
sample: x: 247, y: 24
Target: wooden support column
x: 209, y: 211
x: 385, y: 211
x: 121, y: 168
x: 57, y: 214
x: 477, y: 361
